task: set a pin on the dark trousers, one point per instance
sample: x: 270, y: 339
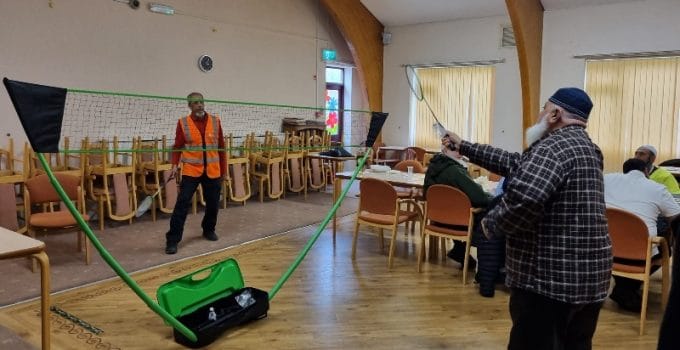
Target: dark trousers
x: 187, y: 188
x: 669, y: 337
x: 540, y: 323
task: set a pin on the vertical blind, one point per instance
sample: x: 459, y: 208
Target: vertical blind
x: 635, y: 102
x: 462, y: 99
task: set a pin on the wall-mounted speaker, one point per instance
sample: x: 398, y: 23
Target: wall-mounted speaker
x: 386, y: 38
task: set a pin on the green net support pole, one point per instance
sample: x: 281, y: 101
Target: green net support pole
x: 320, y: 229
x: 110, y: 260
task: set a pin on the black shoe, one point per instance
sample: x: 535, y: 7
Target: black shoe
x: 452, y: 254
x: 171, y: 248
x: 211, y: 236
x: 627, y: 301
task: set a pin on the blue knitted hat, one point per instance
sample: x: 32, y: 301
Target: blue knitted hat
x: 574, y: 100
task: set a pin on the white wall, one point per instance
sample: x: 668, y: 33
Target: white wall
x: 462, y: 40
x: 264, y: 51
x: 651, y: 25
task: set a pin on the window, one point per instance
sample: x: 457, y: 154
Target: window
x: 462, y: 99
x: 635, y: 102
x: 334, y: 102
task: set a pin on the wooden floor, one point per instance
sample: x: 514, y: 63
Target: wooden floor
x: 330, y: 302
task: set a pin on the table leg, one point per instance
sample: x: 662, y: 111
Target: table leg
x: 44, y: 297
x: 337, y: 189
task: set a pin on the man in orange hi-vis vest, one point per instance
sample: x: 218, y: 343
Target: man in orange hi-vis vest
x: 199, y: 137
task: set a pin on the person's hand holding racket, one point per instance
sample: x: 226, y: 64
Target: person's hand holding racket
x: 451, y: 140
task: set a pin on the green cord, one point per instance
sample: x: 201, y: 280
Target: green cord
x: 110, y: 260
x: 320, y: 229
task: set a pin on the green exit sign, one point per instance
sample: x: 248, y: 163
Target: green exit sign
x: 328, y: 55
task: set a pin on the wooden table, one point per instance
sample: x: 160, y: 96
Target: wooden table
x: 403, y: 148
x: 16, y: 245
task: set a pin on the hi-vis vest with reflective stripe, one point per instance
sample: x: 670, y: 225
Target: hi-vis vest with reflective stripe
x: 192, y: 155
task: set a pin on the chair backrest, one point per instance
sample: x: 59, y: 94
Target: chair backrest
x: 376, y: 149
x: 448, y: 205
x: 628, y: 233
x: 404, y: 164
x: 41, y: 189
x: 8, y: 207
x: 377, y: 196
x: 417, y: 153
x: 670, y: 162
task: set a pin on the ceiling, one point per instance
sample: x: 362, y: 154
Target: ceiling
x: 405, y: 12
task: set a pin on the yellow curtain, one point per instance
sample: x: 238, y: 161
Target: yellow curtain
x: 635, y: 102
x: 462, y: 99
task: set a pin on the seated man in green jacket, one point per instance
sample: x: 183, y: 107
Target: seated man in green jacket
x: 446, y: 168
x: 647, y: 153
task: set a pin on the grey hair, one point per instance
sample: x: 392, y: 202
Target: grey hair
x: 570, y: 115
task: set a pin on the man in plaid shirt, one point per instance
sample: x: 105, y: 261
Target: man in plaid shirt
x: 559, y: 257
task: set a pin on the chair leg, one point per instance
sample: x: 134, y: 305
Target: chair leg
x: 153, y: 209
x: 421, y: 252
x: 643, y: 311
x: 80, y: 246
x: 381, y: 238
x: 465, y: 261
x: 392, y: 244
x: 354, y: 240
x: 100, y: 205
x: 261, y: 190
x: 88, y: 255
x: 665, y: 284
x: 442, y: 247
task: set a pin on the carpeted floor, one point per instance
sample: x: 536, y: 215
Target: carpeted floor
x: 141, y: 245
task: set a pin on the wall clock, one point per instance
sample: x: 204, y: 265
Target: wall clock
x: 205, y: 63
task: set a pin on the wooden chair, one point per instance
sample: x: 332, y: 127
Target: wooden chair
x: 8, y: 212
x: 295, y: 175
x: 447, y: 206
x: 153, y: 167
x: 379, y: 207
x: 110, y: 178
x: 380, y: 157
x: 64, y: 161
x: 631, y: 241
x: 14, y: 170
x: 404, y: 164
x: 404, y: 192
x: 268, y: 168
x: 415, y: 153
x: 39, y: 194
x: 9, y: 171
x: 316, y: 179
x: 328, y: 166
x: 237, y: 182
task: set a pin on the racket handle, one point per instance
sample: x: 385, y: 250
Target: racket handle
x: 451, y: 146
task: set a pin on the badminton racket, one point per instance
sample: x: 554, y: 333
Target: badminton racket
x: 146, y: 203
x: 417, y: 90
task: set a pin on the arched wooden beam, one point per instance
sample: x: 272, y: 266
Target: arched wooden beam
x: 527, y: 21
x: 363, y: 34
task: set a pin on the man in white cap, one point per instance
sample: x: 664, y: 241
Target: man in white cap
x: 647, y: 153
